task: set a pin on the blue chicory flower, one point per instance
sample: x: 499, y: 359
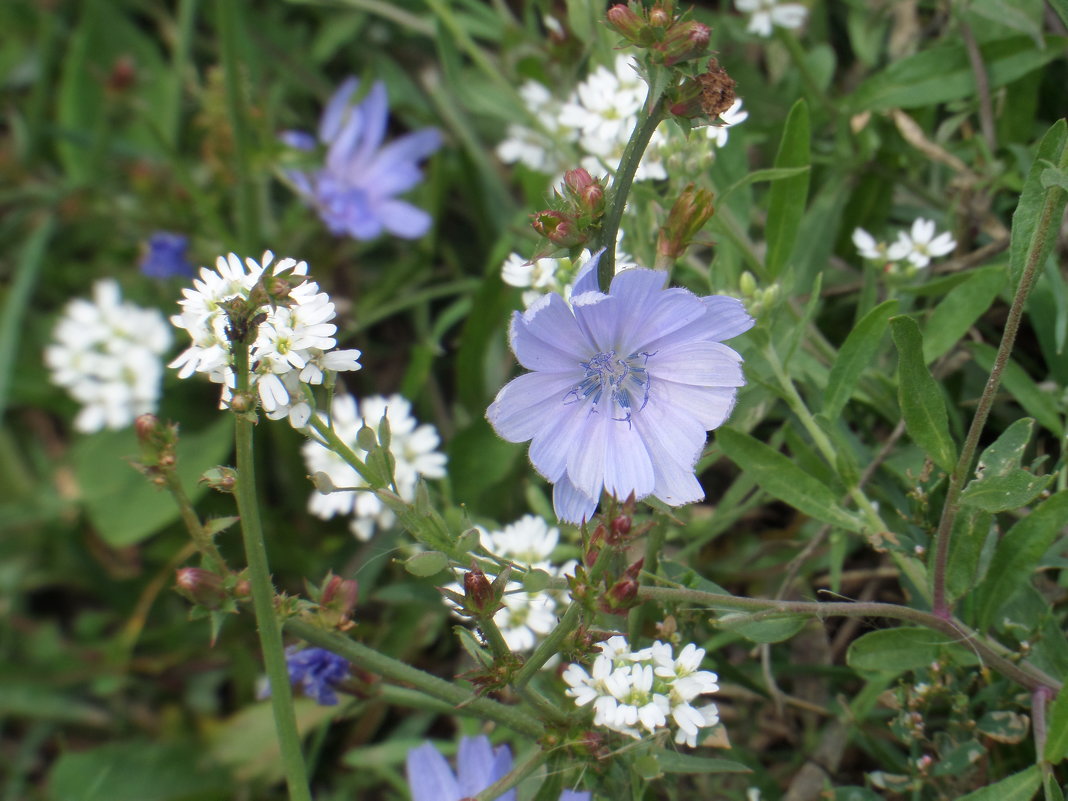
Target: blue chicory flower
x: 164, y: 256
x: 622, y: 388
x: 355, y: 190
x: 478, y: 766
x: 318, y: 672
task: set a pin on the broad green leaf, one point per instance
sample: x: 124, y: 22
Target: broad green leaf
x: 1004, y: 726
x: 1020, y: 786
x: 1057, y: 731
x: 674, y: 762
x: 1000, y: 483
x: 903, y: 648
x: 761, y: 627
x: 922, y: 404
x: 139, y: 771
x: 959, y: 310
x: 855, y: 356
x: 124, y: 507
x: 1037, y: 402
x: 780, y: 477
x: 426, y: 563
x: 1018, y: 554
x: 943, y: 73
x: 959, y: 758
x: 1025, y: 219
x: 1061, y: 7
x: 973, y: 536
x: 786, y: 203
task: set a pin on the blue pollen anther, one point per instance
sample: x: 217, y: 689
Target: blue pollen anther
x: 620, y: 380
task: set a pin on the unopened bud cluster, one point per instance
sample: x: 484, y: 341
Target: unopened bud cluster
x: 649, y: 689
x: 579, y: 213
x: 669, y: 39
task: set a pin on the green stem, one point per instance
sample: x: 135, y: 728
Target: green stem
x: 270, y: 633
x: 395, y: 670
x: 338, y: 446
x: 514, y: 776
x: 621, y: 183
x: 548, y: 647
x: 808, y: 80
x: 1052, y: 209
x: 229, y: 26
x: 30, y: 261
x: 203, y: 541
x: 171, y: 122
x: 992, y: 653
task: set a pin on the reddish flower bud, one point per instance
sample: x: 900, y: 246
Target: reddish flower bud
x: 339, y: 597
x: 684, y: 40
x: 688, y: 216
x: 123, y: 75
x: 478, y: 592
x: 200, y: 586
x: 558, y: 228
x: 660, y: 16
x: 626, y: 23
x: 585, y: 191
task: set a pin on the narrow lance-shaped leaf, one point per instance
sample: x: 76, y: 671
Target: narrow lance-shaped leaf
x: 1029, y: 209
x: 922, y: 404
x: 780, y: 477
x: 959, y: 310
x: 786, y: 202
x: 1017, y: 555
x: 855, y: 356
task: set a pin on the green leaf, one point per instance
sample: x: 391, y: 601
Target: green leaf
x: 1000, y: 483
x: 1029, y: 208
x: 780, y: 477
x: 959, y: 758
x: 959, y: 310
x: 770, y: 174
x: 786, y: 203
x: 1004, y: 726
x: 1020, y: 786
x: 674, y: 762
x: 762, y: 627
x: 1018, y: 554
x: 973, y: 536
x: 922, y: 404
x: 1037, y: 402
x: 123, y: 506
x: 138, y: 771
x: 1057, y: 731
x: 943, y: 73
x: 19, y: 698
x: 903, y: 648
x: 426, y: 563
x: 855, y: 356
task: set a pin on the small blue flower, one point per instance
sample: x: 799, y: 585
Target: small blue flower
x: 622, y: 388
x: 478, y: 766
x: 355, y: 190
x: 164, y: 256
x: 318, y: 672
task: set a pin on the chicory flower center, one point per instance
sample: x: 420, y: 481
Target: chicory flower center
x: 621, y: 382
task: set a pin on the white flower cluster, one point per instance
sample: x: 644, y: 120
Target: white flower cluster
x: 917, y: 246
x: 646, y: 688
x: 598, y: 116
x: 526, y: 617
x: 107, y: 354
x: 414, y: 449
x: 293, y: 345
x: 546, y: 275
x: 768, y: 14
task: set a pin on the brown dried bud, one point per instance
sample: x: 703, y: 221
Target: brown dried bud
x: 242, y: 402
x: 717, y: 89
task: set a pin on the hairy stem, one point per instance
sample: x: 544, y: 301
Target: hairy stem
x: 621, y: 183
x: 1046, y: 227
x: 397, y: 671
x: 270, y: 632
x: 992, y: 653
x: 203, y: 541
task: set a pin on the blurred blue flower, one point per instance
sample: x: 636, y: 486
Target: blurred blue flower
x: 355, y: 190
x: 478, y: 766
x: 318, y: 672
x: 623, y: 388
x: 164, y: 256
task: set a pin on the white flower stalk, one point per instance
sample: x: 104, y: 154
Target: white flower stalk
x: 646, y: 690
x: 107, y: 354
x: 414, y: 449
x: 294, y: 342
x: 526, y: 617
